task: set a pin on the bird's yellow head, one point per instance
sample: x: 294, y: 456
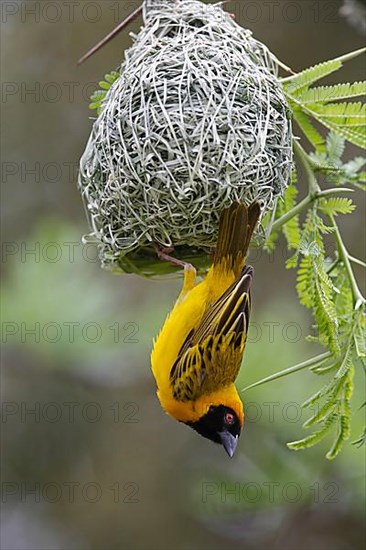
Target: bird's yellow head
x: 220, y: 424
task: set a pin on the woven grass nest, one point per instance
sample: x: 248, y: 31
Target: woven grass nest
x: 196, y: 120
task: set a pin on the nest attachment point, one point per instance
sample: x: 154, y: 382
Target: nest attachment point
x: 196, y: 120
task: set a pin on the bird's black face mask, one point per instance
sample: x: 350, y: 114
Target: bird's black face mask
x: 221, y: 425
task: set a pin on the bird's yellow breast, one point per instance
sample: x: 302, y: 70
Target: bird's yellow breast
x: 186, y: 314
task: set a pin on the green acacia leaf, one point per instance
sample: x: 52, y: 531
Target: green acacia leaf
x: 325, y: 94
x: 353, y: 166
x: 305, y: 282
x: 309, y: 130
x: 292, y: 262
x: 112, y: 77
x: 344, y: 422
x: 98, y: 96
x: 355, y: 137
x: 360, y: 335
x: 361, y: 440
x: 104, y: 85
x: 336, y: 205
x: 326, y: 410
x: 335, y: 147
x: 315, y: 437
x: 312, y: 74
x: 291, y: 229
x: 307, y: 77
x: 342, y: 114
x: 324, y: 370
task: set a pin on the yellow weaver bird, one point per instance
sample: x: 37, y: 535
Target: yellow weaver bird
x: 197, y: 355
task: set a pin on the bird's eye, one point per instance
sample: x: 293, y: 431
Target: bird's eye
x: 229, y: 418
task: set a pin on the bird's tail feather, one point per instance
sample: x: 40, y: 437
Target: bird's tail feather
x: 237, y: 224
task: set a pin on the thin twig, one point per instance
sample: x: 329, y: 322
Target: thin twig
x: 296, y: 368
x: 356, y: 261
x: 302, y: 205
x: 313, y: 184
x: 134, y: 15
x: 358, y: 298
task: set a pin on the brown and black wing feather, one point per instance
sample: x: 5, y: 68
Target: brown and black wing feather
x: 237, y: 224
x: 211, y: 355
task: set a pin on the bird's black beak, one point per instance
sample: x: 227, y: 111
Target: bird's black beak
x: 229, y: 442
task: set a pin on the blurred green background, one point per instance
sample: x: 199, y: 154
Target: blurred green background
x: 89, y: 460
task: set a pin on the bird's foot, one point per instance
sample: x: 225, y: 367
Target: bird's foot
x: 163, y: 253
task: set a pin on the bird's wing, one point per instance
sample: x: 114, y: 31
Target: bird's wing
x: 211, y: 355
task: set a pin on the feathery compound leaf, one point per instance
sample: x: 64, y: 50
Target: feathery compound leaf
x: 323, y: 412
x: 336, y: 408
x: 361, y: 440
x: 309, y: 76
x: 312, y: 74
x: 337, y: 171
x: 343, y: 298
x: 311, y: 400
x: 324, y: 370
x: 98, y: 96
x: 343, y: 429
x: 335, y: 147
x: 336, y: 205
x: 327, y: 285
x: 305, y: 282
x: 355, y: 137
x: 316, y: 72
x: 354, y: 165
x: 315, y: 437
x: 291, y: 229
x: 344, y: 426
x: 324, y: 308
x: 345, y: 119
x: 315, y: 288
x: 310, y: 132
x: 360, y: 335
x: 324, y: 94
x: 343, y: 114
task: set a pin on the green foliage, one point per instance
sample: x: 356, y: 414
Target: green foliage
x: 308, y: 129
x: 330, y: 162
x: 291, y: 229
x: 98, y: 96
x: 336, y: 205
x: 332, y: 402
x: 318, y: 103
x: 325, y: 280
x: 326, y: 285
x: 323, y: 94
x: 314, y: 286
x: 300, y: 82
